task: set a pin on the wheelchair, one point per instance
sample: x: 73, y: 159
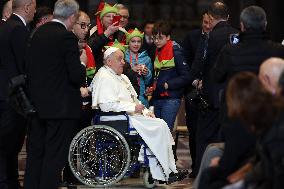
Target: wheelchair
x: 106, y: 152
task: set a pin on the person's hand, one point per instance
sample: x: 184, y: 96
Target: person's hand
x: 144, y: 69
x: 199, y: 85
x: 214, y: 162
x: 137, y: 68
x: 150, y: 114
x: 195, y: 83
x: 82, y: 44
x: 166, y: 86
x: 149, y: 91
x: 111, y: 29
x: 139, y: 108
x: 240, y: 173
x: 83, y: 57
x: 84, y: 92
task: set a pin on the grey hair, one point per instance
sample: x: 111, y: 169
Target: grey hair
x: 65, y: 8
x: 121, y: 6
x: 253, y: 18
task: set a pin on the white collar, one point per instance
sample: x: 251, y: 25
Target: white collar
x: 111, y: 70
x: 59, y: 21
x: 23, y: 20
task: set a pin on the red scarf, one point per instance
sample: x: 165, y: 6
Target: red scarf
x: 98, y: 20
x: 166, y: 52
x: 91, y: 61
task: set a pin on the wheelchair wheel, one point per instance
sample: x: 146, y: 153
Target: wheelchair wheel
x: 99, y: 156
x: 148, y: 181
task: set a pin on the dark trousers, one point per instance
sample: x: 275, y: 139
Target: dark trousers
x: 207, y: 132
x: 191, y: 110
x: 212, y: 178
x: 12, y: 135
x: 48, y: 144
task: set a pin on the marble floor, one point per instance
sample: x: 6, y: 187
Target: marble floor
x: 183, y: 162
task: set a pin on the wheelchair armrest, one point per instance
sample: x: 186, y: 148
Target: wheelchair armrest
x: 101, y: 113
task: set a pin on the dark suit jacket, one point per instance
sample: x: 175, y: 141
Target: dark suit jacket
x: 218, y: 37
x: 190, y: 44
x: 55, y: 72
x: 13, y: 37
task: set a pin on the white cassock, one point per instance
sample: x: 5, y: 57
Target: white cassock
x: 112, y: 92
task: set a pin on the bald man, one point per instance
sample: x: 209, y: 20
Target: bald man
x: 13, y: 36
x: 269, y: 73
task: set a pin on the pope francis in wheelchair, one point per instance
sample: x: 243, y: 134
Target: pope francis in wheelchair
x: 101, y: 155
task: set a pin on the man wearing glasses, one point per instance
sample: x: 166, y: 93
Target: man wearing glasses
x: 124, y: 13
x: 81, y: 29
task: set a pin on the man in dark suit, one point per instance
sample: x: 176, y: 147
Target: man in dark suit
x: 55, y: 77
x: 148, y: 42
x: 208, y: 123
x: 13, y: 36
x: 195, y: 38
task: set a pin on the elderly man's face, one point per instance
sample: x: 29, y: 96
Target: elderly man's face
x: 30, y: 10
x: 116, y: 62
x: 82, y: 26
x: 124, y: 17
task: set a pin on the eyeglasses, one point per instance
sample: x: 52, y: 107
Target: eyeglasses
x: 84, y: 25
x: 158, y: 38
x: 124, y: 16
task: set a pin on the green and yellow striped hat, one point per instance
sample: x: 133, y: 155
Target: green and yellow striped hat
x: 107, y: 9
x: 134, y: 33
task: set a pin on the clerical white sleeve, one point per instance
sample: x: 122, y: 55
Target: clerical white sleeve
x: 111, y: 92
x: 118, y: 107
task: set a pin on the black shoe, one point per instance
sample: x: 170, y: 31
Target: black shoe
x: 180, y: 175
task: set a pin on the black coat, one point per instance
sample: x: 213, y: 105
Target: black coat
x: 55, y: 72
x: 218, y: 37
x: 176, y: 77
x: 193, y: 46
x: 190, y: 44
x: 247, y: 55
x: 13, y: 36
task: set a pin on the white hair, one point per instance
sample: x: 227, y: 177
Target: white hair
x: 65, y: 8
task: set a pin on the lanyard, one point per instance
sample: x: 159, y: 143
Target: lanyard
x: 136, y: 63
x: 136, y: 59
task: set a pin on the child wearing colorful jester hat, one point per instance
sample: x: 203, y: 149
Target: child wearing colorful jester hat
x: 140, y: 62
x: 171, y: 74
x: 105, y: 32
